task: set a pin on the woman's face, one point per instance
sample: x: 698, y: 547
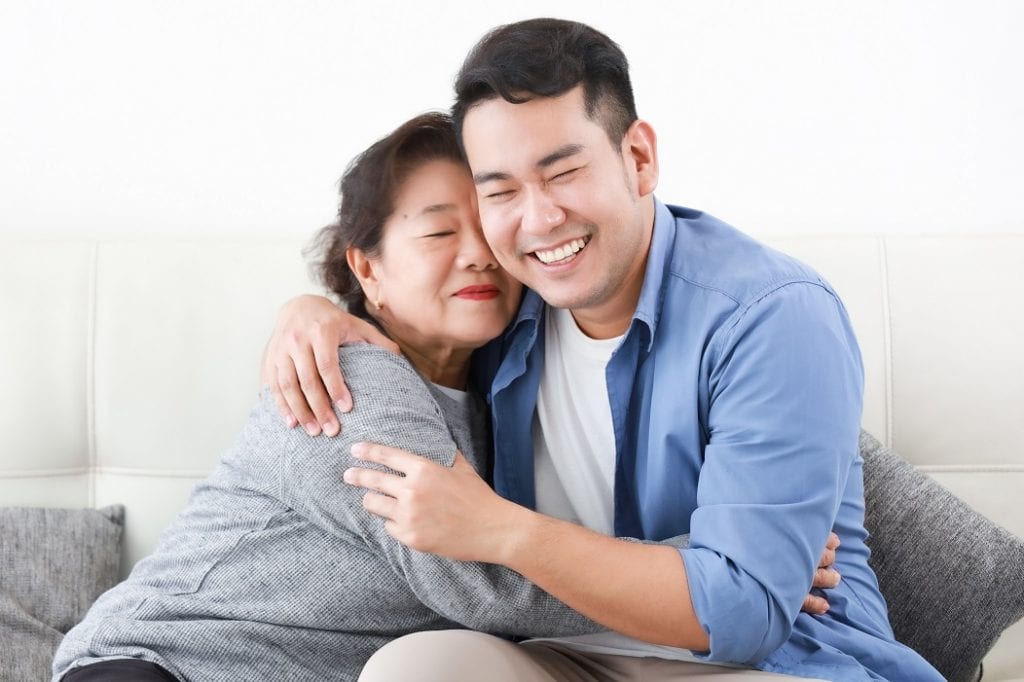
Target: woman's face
x: 438, y: 283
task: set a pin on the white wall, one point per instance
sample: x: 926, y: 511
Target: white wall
x: 145, y: 117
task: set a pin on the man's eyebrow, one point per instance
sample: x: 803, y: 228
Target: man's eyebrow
x: 481, y: 178
x: 552, y: 158
x: 559, y: 154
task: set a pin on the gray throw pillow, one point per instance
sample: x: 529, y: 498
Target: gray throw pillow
x: 54, y: 563
x: 953, y: 579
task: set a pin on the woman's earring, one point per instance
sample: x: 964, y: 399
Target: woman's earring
x: 379, y: 304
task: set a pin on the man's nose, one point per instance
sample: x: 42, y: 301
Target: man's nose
x: 541, y: 214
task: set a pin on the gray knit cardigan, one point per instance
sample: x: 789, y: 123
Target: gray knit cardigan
x: 274, y: 570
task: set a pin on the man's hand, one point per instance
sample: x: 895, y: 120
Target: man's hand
x: 454, y: 513
x: 449, y: 511
x: 825, y: 578
x: 300, y: 363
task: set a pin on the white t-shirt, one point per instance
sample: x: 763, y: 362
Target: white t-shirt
x: 573, y: 440
x: 574, y: 454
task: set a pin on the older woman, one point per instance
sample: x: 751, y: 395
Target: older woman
x: 274, y: 570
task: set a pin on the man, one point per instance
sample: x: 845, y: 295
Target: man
x: 666, y: 374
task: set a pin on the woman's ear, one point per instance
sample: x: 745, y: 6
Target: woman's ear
x: 365, y: 270
x: 640, y: 147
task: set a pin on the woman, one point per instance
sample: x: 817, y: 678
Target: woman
x: 274, y: 570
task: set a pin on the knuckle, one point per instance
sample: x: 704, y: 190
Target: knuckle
x: 327, y: 362
x: 307, y: 378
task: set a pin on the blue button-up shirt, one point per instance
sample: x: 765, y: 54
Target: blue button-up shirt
x: 736, y: 399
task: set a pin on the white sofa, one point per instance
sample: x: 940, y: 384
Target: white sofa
x: 128, y: 366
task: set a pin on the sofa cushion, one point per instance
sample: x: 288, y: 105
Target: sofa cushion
x: 54, y: 563
x: 953, y: 580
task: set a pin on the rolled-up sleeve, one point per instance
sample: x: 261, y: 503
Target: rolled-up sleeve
x: 785, y: 387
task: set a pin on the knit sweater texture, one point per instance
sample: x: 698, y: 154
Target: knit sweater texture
x: 275, y: 571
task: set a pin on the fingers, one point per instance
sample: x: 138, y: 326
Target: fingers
x: 814, y: 605
x: 289, y: 388
x: 330, y: 374
x: 393, y: 458
x: 828, y: 557
x: 373, y: 480
x: 381, y: 505
x: 826, y: 578
x: 308, y: 368
x: 282, y: 406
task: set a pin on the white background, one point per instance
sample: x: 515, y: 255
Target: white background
x: 797, y: 116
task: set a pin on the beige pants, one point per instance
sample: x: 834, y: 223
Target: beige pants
x: 468, y: 656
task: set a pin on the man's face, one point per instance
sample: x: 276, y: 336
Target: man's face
x: 565, y: 211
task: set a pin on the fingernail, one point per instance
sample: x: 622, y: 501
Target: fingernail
x: 348, y: 475
x: 331, y: 428
x: 313, y: 429
x: 344, y: 404
x: 291, y: 422
x: 358, y: 449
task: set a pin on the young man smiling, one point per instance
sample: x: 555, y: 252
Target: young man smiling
x: 665, y: 375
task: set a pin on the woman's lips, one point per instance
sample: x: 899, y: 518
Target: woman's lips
x: 479, y: 292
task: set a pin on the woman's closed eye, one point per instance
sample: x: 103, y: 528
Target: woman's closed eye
x: 439, y: 233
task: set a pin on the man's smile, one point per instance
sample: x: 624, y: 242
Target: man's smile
x: 562, y: 254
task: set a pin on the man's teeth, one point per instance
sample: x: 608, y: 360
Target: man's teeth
x: 561, y: 253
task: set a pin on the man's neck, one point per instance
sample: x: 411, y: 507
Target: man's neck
x: 613, y: 317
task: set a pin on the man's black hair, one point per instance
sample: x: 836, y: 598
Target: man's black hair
x: 546, y: 58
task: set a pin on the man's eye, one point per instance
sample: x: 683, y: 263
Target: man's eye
x: 503, y: 194
x: 564, y: 175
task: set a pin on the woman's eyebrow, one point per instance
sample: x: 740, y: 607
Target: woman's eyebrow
x: 437, y: 208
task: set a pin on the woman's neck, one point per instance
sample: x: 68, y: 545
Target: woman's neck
x: 444, y: 365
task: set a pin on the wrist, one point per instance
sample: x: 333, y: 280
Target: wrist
x: 518, y: 528
x: 526, y: 540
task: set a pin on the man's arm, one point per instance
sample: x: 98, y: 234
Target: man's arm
x: 786, y: 399
x: 785, y: 395
x: 392, y: 402
x: 300, y: 362
x: 634, y: 588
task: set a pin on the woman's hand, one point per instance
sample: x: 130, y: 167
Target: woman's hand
x: 432, y: 508
x: 300, y: 363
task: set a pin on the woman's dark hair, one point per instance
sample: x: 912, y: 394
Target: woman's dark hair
x: 369, y: 188
x: 546, y: 58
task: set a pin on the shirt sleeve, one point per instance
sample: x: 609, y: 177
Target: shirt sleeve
x: 785, y: 388
x: 393, y: 406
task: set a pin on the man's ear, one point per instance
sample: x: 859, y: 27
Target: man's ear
x: 640, y: 150
x: 365, y: 270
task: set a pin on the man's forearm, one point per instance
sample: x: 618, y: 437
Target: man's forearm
x: 637, y: 589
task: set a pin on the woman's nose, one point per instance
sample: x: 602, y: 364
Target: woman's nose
x: 474, y: 253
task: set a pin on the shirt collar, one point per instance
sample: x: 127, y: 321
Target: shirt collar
x: 648, y: 308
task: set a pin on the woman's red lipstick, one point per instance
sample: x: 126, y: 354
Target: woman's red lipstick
x: 478, y: 292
